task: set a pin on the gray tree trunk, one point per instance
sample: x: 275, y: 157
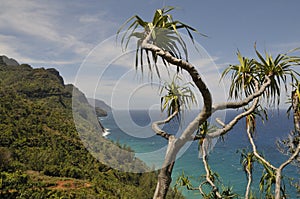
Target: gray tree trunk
x: 164, y: 177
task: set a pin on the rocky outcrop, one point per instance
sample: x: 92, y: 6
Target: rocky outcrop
x: 4, y: 60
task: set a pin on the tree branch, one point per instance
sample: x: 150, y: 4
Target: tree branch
x: 206, y: 95
x: 220, y: 122
x: 230, y: 125
x: 256, y: 153
x: 200, y: 188
x: 294, y: 156
x: 249, y: 183
x: 255, y: 96
x: 207, y: 170
x: 159, y: 131
x: 247, y: 100
x: 281, y: 167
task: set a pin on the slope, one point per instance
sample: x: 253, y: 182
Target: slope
x: 41, y: 153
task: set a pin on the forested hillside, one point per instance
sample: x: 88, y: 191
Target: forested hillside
x: 41, y: 154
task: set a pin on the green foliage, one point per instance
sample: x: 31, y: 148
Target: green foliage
x: 183, y: 181
x: 250, y: 72
x: 227, y: 193
x: 278, y: 69
x: 201, y: 133
x: 251, y: 118
x: 204, y: 187
x: 241, y: 76
x: 40, y: 146
x: 178, y: 97
x: 247, y: 160
x: 267, y: 181
x: 12, y: 180
x: 162, y: 31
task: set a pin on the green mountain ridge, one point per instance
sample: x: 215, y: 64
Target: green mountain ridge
x: 42, y: 154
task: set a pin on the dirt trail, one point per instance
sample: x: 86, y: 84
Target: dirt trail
x: 69, y: 184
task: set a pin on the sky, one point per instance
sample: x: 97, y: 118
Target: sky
x: 78, y: 38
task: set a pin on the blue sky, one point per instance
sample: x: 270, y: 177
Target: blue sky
x: 67, y: 35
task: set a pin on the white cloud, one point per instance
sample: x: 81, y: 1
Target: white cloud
x: 30, y: 18
x: 7, y: 44
x: 49, y: 32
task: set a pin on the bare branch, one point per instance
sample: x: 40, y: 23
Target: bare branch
x: 159, y: 131
x: 246, y: 101
x: 200, y: 188
x: 255, y: 97
x: 281, y: 167
x: 294, y: 156
x: 219, y: 121
x: 249, y: 183
x: 207, y: 170
x: 230, y: 125
x: 256, y: 153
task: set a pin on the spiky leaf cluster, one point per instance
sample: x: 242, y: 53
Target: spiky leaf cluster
x: 162, y: 31
x: 248, y: 72
x: 177, y: 97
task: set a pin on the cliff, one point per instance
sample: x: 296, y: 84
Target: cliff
x: 42, y: 153
x: 100, y: 106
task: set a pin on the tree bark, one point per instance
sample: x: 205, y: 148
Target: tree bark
x: 164, y: 181
x: 165, y: 174
x: 249, y: 183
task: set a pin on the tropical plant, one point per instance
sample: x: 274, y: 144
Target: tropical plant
x: 277, y: 70
x: 241, y: 75
x: 178, y: 97
x: 162, y: 32
x: 251, y: 80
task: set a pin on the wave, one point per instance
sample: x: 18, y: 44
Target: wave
x: 106, y: 132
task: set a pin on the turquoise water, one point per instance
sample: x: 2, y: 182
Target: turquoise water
x: 133, y: 129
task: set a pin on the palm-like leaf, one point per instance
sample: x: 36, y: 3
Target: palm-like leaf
x: 247, y: 160
x: 162, y: 31
x: 248, y: 71
x: 183, y: 181
x: 277, y: 70
x: 227, y: 193
x: 242, y: 76
x: 267, y: 180
x: 204, y: 129
x: 251, y: 118
x: 177, y: 97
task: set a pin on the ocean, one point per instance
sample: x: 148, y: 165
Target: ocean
x: 133, y: 128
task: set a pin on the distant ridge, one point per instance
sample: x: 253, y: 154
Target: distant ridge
x: 99, y: 103
x: 101, y: 108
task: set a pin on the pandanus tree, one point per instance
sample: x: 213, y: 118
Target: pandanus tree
x: 252, y: 82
